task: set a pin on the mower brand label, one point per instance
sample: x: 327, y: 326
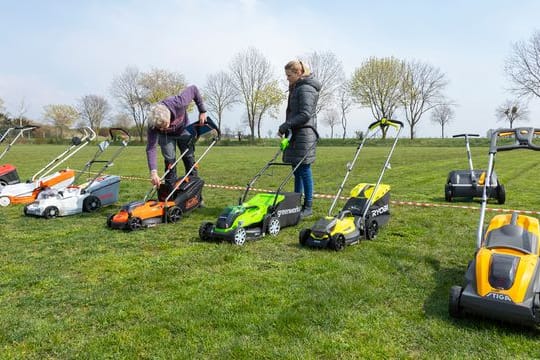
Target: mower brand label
x: 499, y: 297
x: 289, y: 211
x: 379, y: 211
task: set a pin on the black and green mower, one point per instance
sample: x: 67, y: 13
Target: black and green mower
x: 263, y: 214
x: 367, y: 209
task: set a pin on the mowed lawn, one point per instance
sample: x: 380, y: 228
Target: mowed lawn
x: 72, y: 288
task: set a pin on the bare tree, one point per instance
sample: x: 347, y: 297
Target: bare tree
x: 442, y: 115
x: 329, y: 71
x: 219, y: 94
x: 93, y: 111
x: 61, y: 116
x: 159, y: 84
x: 331, y: 118
x: 421, y: 91
x: 511, y: 111
x: 377, y: 85
x: 523, y: 66
x: 251, y: 73
x: 345, y: 103
x: 130, y: 94
x: 122, y: 120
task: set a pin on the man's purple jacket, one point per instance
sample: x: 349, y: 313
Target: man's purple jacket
x: 178, y: 105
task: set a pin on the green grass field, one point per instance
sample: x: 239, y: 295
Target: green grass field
x: 72, y: 288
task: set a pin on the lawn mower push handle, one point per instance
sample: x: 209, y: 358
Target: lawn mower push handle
x: 523, y: 136
x: 465, y: 135
x: 112, y: 130
x: 385, y: 121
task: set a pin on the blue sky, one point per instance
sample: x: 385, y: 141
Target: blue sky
x: 58, y: 51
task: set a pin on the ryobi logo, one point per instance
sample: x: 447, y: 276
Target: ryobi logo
x: 499, y: 297
x: 289, y: 211
x: 379, y: 211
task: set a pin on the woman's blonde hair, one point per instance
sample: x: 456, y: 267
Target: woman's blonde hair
x: 298, y: 66
x: 159, y: 116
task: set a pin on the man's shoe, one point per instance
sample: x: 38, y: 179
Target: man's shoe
x: 306, y: 212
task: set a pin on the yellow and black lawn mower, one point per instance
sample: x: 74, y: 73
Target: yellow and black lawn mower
x: 365, y: 211
x: 503, y: 279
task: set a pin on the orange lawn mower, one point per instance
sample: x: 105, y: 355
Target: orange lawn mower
x: 8, y: 172
x: 27, y: 192
x: 173, y: 201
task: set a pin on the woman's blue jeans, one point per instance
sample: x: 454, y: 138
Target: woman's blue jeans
x: 303, y: 183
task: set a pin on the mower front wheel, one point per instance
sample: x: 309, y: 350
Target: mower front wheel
x: 303, y: 236
x: 205, y: 231
x: 109, y: 220
x: 174, y: 214
x: 501, y: 194
x: 273, y: 227
x: 337, y: 242
x: 372, y: 229
x: 448, y: 195
x: 240, y: 236
x: 51, y: 212
x: 134, y: 223
x: 91, y: 203
x: 5, y: 201
x: 454, y: 308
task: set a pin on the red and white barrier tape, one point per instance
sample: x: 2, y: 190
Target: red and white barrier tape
x: 327, y: 196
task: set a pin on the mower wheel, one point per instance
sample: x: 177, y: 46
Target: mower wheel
x: 174, y: 214
x: 273, y: 227
x: 51, y: 212
x: 239, y: 236
x: 372, y: 229
x: 205, y: 231
x: 303, y: 236
x: 337, y: 242
x: 135, y: 223
x: 109, y: 220
x: 3, y: 183
x: 501, y: 194
x: 25, y: 210
x: 536, y: 308
x: 454, y: 309
x: 5, y: 201
x: 448, y: 193
x: 91, y: 203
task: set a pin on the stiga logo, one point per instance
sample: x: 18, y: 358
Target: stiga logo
x: 379, y: 211
x: 499, y: 297
x: 289, y: 211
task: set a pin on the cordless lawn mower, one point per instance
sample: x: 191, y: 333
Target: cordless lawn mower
x: 470, y: 183
x: 503, y: 280
x: 8, y: 172
x: 365, y: 211
x: 264, y: 213
x: 173, y: 201
x: 101, y: 190
x: 27, y: 192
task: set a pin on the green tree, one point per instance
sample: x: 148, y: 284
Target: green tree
x: 61, y: 116
x: 269, y: 99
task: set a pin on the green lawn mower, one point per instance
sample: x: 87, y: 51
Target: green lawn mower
x: 365, y: 211
x: 264, y: 214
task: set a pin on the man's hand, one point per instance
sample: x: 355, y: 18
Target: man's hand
x: 202, y: 118
x: 154, y: 178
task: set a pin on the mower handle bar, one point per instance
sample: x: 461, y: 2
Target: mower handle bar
x: 523, y: 139
x: 385, y: 122
x: 465, y: 135
x: 117, y: 129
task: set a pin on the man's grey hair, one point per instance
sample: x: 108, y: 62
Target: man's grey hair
x: 159, y: 116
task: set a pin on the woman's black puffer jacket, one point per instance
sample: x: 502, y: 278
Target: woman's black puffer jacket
x: 300, y: 117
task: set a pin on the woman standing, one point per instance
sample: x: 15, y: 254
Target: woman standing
x: 300, y: 119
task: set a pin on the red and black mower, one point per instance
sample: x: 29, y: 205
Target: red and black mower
x: 8, y: 172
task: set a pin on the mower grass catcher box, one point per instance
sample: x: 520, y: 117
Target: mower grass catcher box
x: 106, y: 188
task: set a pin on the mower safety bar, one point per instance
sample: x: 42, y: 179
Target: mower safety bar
x: 466, y: 135
x: 385, y: 122
x: 21, y: 129
x: 524, y: 139
x: 119, y: 130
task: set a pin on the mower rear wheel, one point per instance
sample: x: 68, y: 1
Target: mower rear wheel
x: 448, y: 193
x: 135, y: 223
x: 303, y: 236
x: 3, y: 183
x: 91, y: 203
x: 454, y: 308
x: 174, y: 214
x: 337, y: 242
x: 501, y: 194
x: 239, y: 236
x: 51, y: 212
x: 273, y: 227
x: 109, y: 220
x: 205, y: 231
x: 372, y: 229
x: 5, y: 201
